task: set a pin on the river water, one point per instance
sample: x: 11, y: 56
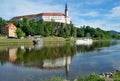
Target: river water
x: 66, y: 60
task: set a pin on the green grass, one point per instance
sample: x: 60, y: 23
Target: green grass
x: 61, y: 39
x: 53, y: 79
x: 15, y: 41
x: 116, y: 76
x: 91, y: 77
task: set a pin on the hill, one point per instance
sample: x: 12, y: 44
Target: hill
x: 112, y: 32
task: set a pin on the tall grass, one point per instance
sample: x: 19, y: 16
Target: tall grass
x: 91, y: 77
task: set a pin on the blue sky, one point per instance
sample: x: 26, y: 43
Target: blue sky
x: 96, y: 13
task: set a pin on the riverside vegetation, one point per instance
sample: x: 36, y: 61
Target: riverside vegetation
x: 91, y: 77
x: 27, y: 27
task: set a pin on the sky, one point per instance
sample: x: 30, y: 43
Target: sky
x: 104, y: 14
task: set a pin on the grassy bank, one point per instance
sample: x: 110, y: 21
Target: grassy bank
x: 92, y: 77
x: 57, y: 39
x: 13, y: 41
x: 29, y: 40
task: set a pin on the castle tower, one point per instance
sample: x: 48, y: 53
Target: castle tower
x: 66, y: 13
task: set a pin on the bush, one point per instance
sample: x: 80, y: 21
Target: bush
x: 116, y: 76
x: 54, y: 79
x: 67, y: 39
x: 20, y: 33
x: 91, y: 77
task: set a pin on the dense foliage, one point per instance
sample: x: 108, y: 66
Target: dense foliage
x: 115, y: 34
x: 2, y: 22
x: 97, y: 33
x: 32, y: 27
x: 116, y: 76
x: 20, y: 33
x: 91, y: 77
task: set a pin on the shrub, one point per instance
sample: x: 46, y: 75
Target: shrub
x: 116, y: 76
x: 54, y: 79
x: 91, y: 77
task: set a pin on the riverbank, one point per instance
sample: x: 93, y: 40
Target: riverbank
x: 108, y: 76
x: 13, y: 41
x: 29, y: 40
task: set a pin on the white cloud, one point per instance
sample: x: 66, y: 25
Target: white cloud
x: 10, y: 8
x: 106, y: 21
x: 23, y: 7
x: 114, y: 13
x: 103, y: 24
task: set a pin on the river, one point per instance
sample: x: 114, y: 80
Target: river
x: 66, y: 60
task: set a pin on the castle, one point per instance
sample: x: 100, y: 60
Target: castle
x: 56, y: 17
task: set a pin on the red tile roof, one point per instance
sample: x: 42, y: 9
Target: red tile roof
x: 50, y: 14
x: 40, y: 14
x: 10, y: 25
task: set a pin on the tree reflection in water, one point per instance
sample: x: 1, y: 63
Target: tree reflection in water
x: 50, y: 56
x: 30, y: 56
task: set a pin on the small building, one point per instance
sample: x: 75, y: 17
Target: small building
x: 9, y: 29
x: 12, y: 54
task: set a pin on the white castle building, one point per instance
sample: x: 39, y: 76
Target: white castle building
x: 56, y: 17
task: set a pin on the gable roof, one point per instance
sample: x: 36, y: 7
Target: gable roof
x: 10, y: 25
x: 40, y: 14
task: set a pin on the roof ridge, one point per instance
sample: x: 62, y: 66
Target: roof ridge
x: 40, y: 14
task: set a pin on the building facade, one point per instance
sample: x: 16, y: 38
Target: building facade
x: 9, y: 29
x: 56, y: 17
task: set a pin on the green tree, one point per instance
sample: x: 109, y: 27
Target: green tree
x: 20, y: 33
x: 80, y: 32
x: 33, y: 26
x: 26, y: 26
x: 73, y: 30
x: 67, y: 31
x: 2, y: 22
x: 40, y: 28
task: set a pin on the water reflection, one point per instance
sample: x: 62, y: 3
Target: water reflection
x: 58, y: 57
x: 93, y: 47
x: 54, y: 55
x: 12, y: 54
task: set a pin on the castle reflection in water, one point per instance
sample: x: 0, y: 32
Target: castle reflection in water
x: 56, y: 63
x: 43, y: 58
x: 46, y: 58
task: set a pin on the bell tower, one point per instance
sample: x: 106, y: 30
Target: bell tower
x: 66, y: 13
x: 66, y: 10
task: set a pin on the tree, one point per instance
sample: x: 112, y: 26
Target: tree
x: 33, y: 25
x: 97, y: 33
x: 2, y: 22
x: 67, y: 31
x: 26, y: 26
x: 80, y: 32
x: 20, y: 33
x: 40, y: 28
x: 73, y: 30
